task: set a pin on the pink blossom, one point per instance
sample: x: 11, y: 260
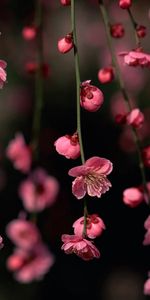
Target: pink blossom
x: 38, y: 191
x: 91, y: 177
x: 23, y: 233
x: 68, y: 146
x: 3, y: 74
x: 132, y: 196
x: 30, y: 265
x: 106, y: 75
x: 81, y: 247
x: 66, y: 44
x: 117, y: 30
x: 141, y: 31
x: 94, y: 226
x: 19, y: 153
x: 65, y: 2
x: 146, y: 156
x: 29, y: 32
x: 125, y: 4
x: 91, y: 97
x: 147, y: 287
x: 135, y: 118
x: 136, y: 58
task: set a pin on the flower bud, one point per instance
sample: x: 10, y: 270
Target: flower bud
x: 106, y: 75
x: 117, y: 30
x: 65, y: 44
x: 125, y: 4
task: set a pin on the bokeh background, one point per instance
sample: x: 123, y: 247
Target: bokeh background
x: 122, y: 269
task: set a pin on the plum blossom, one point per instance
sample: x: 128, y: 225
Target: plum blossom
x: 38, y: 191
x: 136, y: 58
x: 117, y: 30
x: 133, y: 196
x: 66, y: 43
x: 91, y: 177
x: 81, y: 247
x: 91, y: 97
x: 141, y: 31
x: 94, y: 226
x: 135, y: 118
x: 30, y: 265
x: 68, y: 146
x: 19, y: 153
x: 3, y: 74
x: 23, y: 233
x: 147, y: 234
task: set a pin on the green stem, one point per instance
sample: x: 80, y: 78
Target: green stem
x: 134, y: 24
x: 125, y: 96
x: 78, y: 83
x: 38, y: 81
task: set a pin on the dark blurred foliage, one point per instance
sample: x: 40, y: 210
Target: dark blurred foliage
x: 124, y: 262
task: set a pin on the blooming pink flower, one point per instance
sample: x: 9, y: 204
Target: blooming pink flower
x: 136, y: 58
x: 19, y: 153
x: 117, y: 30
x: 68, y: 146
x: 66, y: 44
x: 94, y: 226
x: 91, y: 177
x: 29, y: 32
x: 125, y: 4
x: 147, y: 287
x: 30, y: 265
x: 65, y: 2
x: 81, y: 247
x: 135, y: 118
x: 141, y: 31
x: 146, y: 156
x: 3, y: 74
x: 132, y: 196
x: 23, y: 233
x: 38, y: 191
x: 106, y: 75
x: 91, y: 98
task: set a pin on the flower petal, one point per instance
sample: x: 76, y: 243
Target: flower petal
x: 79, y: 187
x: 99, y: 164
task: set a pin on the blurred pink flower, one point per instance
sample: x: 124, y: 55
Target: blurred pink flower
x: 136, y: 58
x: 147, y: 287
x: 91, y: 97
x: 106, y: 75
x: 1, y: 243
x: 30, y: 265
x: 91, y: 177
x: 135, y: 118
x: 68, y: 146
x: 38, y: 191
x: 23, y: 233
x: 146, y: 240
x: 141, y: 31
x: 19, y: 153
x: 81, y: 247
x: 65, y: 2
x: 132, y: 196
x: 3, y: 74
x: 29, y: 32
x: 125, y: 4
x: 117, y: 30
x: 94, y: 226
x: 146, y: 156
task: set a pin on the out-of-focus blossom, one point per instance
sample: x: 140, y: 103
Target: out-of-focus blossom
x: 66, y: 44
x: 68, y: 146
x: 136, y: 58
x: 132, y: 196
x: 91, y: 177
x: 106, y: 75
x: 94, y: 226
x: 30, y: 265
x: 38, y: 191
x: 23, y: 233
x: 146, y: 156
x: 135, y: 118
x: 81, y: 247
x: 117, y: 30
x: 3, y: 74
x: 91, y: 97
x: 125, y: 4
x: 141, y: 31
x: 1, y: 243
x: 19, y: 153
x: 29, y: 32
x: 147, y: 287
x: 147, y: 234
x: 65, y: 2
x: 31, y: 67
